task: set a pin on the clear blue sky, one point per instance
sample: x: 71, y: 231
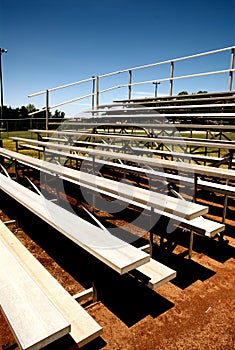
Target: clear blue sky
x: 54, y: 42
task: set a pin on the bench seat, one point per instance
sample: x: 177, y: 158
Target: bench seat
x: 186, y: 209
x: 116, y: 253
x: 83, y: 327
x: 32, y: 317
x: 156, y: 273
x: 149, y: 161
x: 199, y: 225
x: 203, y: 184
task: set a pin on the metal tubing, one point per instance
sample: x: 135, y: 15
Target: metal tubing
x: 190, y: 245
x: 167, y: 61
x: 1, y: 85
x: 171, y: 78
x: 230, y: 79
x: 47, y: 108
x: 60, y: 87
x: 93, y: 94
x: 130, y: 84
x: 1, y: 96
x: 151, y: 232
x: 97, y: 91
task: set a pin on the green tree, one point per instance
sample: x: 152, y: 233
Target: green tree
x: 23, y: 112
x: 183, y: 93
x: 31, y: 108
x: 58, y: 114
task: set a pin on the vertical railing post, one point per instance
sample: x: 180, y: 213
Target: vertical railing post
x: 129, y: 84
x: 230, y: 78
x: 171, y: 76
x: 97, y: 91
x: 93, y: 93
x: 47, y: 109
x: 1, y: 90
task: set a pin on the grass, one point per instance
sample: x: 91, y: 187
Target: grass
x: 10, y: 144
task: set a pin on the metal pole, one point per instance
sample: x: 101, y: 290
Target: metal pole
x: 1, y: 85
x: 230, y: 78
x: 190, y: 245
x: 93, y: 93
x: 1, y: 98
x: 97, y: 92
x: 129, y: 86
x: 47, y: 108
x: 171, y: 76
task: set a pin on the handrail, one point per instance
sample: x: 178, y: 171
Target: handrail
x: 96, y: 79
x: 61, y: 87
x: 167, y: 61
x: 167, y: 79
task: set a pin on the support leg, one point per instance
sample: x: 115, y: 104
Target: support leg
x: 190, y: 245
x: 151, y: 233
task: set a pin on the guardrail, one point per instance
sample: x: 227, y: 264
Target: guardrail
x: 95, y: 80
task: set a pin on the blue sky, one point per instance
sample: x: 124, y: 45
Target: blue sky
x: 53, y: 42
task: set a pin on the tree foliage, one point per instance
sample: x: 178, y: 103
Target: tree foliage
x: 183, y: 93
x: 19, y: 119
x: 23, y: 112
x: 194, y: 93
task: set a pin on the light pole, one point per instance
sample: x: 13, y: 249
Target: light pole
x: 1, y: 87
x: 156, y: 84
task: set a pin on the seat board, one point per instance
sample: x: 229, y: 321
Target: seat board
x: 114, y: 252
x: 33, y: 318
x: 83, y: 327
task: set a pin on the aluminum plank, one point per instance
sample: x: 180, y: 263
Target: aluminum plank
x: 32, y: 317
x: 83, y: 327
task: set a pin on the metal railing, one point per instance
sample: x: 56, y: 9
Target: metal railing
x: 95, y: 81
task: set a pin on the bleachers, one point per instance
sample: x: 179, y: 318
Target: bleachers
x: 34, y: 303
x: 150, y: 161
x: 161, y: 142
x: 150, y: 272
x: 112, y: 251
x: 135, y: 139
x: 201, y: 108
x: 205, y: 97
x: 128, y: 169
x: 111, y: 189
x: 186, y: 209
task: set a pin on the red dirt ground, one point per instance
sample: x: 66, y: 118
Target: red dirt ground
x: 194, y: 311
